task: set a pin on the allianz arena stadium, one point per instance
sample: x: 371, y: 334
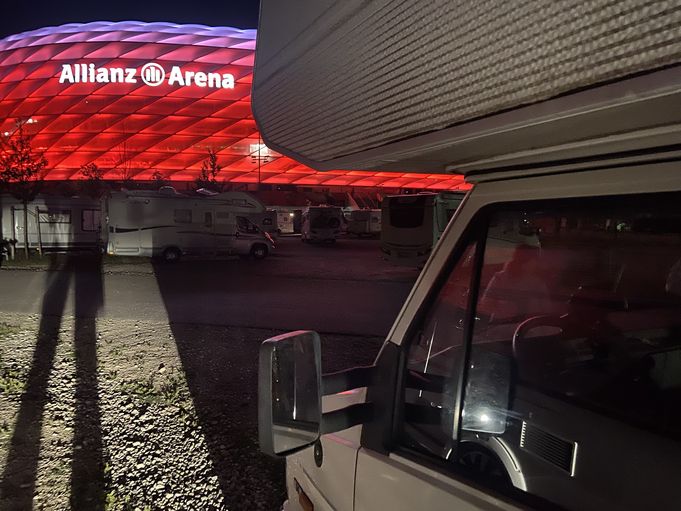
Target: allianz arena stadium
x: 143, y: 98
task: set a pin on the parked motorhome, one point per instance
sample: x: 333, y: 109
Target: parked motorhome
x: 169, y: 225
x: 536, y: 363
x: 55, y: 223
x: 363, y: 222
x: 412, y: 224
x: 289, y: 219
x: 267, y: 221
x: 322, y: 224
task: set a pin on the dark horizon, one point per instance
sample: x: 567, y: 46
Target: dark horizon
x: 17, y: 16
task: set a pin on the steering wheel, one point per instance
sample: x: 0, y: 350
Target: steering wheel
x: 549, y: 353
x: 574, y: 344
x: 585, y: 331
x: 521, y: 331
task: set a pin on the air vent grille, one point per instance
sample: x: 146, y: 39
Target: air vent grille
x: 548, y: 447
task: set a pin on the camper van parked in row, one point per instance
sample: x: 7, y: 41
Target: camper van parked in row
x: 411, y: 225
x: 363, y: 222
x: 169, y: 225
x: 54, y: 223
x: 322, y: 224
x: 267, y: 221
x: 289, y: 219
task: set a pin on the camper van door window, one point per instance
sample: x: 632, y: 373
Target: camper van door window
x: 245, y: 225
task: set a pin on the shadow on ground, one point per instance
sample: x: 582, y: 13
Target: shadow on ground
x: 222, y: 378
x: 18, y: 483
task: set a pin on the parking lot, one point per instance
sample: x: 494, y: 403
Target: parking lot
x: 135, y: 384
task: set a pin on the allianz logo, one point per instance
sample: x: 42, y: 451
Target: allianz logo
x: 151, y: 74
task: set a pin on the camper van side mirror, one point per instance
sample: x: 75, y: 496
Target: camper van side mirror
x: 487, y: 395
x: 289, y: 392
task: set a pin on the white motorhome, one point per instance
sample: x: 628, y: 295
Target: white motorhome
x: 289, y: 219
x: 169, y: 225
x: 55, y: 223
x: 322, y: 224
x: 412, y: 224
x: 536, y: 363
x: 363, y: 222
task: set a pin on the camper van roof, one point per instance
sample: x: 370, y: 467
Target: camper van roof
x: 442, y: 102
x: 236, y: 198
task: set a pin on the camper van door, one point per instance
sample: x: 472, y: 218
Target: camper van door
x: 224, y: 228
x: 204, y: 238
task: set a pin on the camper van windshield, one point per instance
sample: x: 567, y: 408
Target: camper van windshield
x: 587, y: 306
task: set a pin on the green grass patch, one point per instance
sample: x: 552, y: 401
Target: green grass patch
x: 112, y: 259
x: 7, y: 329
x: 170, y: 390
x: 12, y: 379
x: 115, y: 502
x: 58, y: 258
x: 20, y: 261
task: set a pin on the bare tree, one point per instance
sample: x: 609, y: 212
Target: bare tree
x: 124, y: 165
x: 208, y: 177
x: 94, y: 182
x: 21, y: 171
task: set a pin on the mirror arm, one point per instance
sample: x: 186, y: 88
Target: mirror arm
x: 354, y: 378
x: 345, y: 418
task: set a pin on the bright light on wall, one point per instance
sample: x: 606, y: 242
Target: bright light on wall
x: 259, y: 149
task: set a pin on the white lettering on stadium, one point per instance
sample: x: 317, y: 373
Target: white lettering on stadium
x: 153, y: 75
x: 214, y: 80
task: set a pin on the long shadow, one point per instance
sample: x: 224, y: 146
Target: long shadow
x: 19, y: 476
x: 221, y: 372
x: 87, y: 470
x: 221, y: 367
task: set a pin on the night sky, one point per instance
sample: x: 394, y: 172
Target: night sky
x: 22, y: 15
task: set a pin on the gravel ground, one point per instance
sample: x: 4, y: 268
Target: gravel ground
x: 138, y: 415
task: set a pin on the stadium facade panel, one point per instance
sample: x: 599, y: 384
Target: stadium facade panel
x: 138, y: 98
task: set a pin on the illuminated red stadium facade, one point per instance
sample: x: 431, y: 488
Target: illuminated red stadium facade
x: 138, y: 98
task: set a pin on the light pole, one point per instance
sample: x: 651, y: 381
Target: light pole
x: 259, y: 152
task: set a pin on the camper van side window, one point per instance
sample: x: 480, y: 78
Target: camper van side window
x: 183, y: 216
x: 578, y: 318
x: 245, y: 225
x: 584, y: 298
x: 55, y: 217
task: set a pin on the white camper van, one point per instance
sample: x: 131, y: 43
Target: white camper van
x: 55, y: 223
x: 536, y: 363
x: 412, y: 224
x: 322, y: 224
x: 363, y: 222
x: 168, y: 225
